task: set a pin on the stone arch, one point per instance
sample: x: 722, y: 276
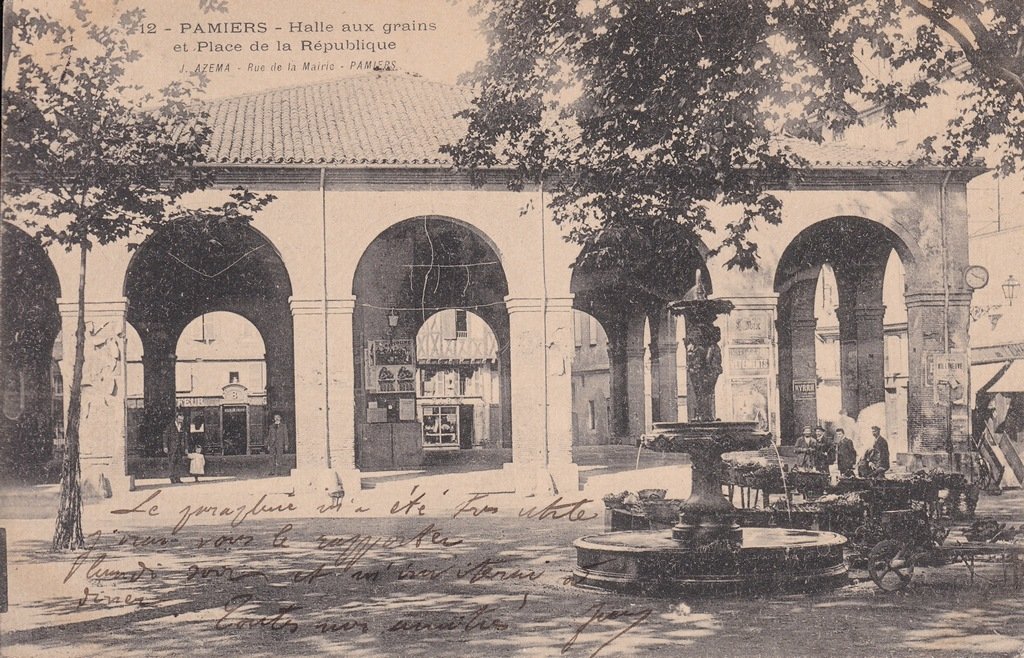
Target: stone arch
x: 31, y: 323
x: 857, y: 250
x: 638, y: 326
x: 183, y: 271
x: 407, y: 273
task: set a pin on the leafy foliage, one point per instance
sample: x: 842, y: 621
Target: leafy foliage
x: 646, y: 112
x: 90, y: 159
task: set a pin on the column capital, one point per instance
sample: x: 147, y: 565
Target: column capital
x: 668, y: 347
x: 634, y: 352
x: 616, y: 349
x: 936, y: 298
x: 860, y: 312
x: 108, y: 308
x: 803, y: 323
x: 340, y: 306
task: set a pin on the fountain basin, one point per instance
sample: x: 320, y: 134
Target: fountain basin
x: 718, y: 436
x: 652, y: 562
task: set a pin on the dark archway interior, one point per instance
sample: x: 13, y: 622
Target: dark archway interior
x: 857, y: 249
x: 849, y: 244
x: 184, y: 271
x: 623, y: 304
x: 414, y: 269
x: 31, y: 322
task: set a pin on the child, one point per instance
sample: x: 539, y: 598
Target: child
x: 197, y: 462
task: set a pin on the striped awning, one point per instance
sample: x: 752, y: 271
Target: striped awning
x: 1012, y: 380
x: 984, y: 374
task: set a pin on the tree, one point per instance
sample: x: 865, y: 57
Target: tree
x: 87, y: 161
x: 641, y: 114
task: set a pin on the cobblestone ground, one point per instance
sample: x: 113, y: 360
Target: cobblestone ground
x: 214, y: 569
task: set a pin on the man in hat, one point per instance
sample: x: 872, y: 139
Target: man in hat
x: 824, y: 451
x: 277, y: 438
x: 846, y: 454
x: 804, y: 448
x: 876, y: 460
x: 175, y: 437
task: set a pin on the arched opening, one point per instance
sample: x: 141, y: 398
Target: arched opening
x: 457, y: 384
x: 897, y: 355
x: 591, y: 382
x: 833, y: 302
x: 429, y: 315
x: 639, y: 362
x: 220, y: 381
x: 227, y: 285
x: 31, y: 421
x: 829, y: 398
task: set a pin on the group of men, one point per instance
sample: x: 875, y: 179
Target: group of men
x: 818, y: 451
x: 176, y: 444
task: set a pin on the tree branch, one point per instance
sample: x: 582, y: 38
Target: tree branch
x: 980, y: 60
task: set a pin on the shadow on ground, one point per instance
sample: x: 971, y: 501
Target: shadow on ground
x: 442, y: 587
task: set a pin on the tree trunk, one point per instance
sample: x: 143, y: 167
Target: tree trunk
x: 68, y: 533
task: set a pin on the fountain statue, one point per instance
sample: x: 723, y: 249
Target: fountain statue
x: 707, y: 549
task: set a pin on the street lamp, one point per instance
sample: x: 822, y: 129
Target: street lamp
x: 1010, y: 289
x: 392, y: 318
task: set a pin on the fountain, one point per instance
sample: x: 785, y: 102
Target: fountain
x: 707, y: 549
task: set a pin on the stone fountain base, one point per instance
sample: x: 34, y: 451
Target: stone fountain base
x: 707, y: 550
x: 766, y: 559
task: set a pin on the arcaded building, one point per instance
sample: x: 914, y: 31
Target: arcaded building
x: 372, y: 235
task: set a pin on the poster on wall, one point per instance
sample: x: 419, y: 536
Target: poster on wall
x: 750, y: 400
x: 747, y: 326
x: 390, y: 366
x: 750, y: 360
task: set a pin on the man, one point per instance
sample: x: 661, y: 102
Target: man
x: 804, y: 448
x: 824, y: 452
x: 876, y: 460
x: 277, y: 437
x: 175, y: 436
x: 846, y: 454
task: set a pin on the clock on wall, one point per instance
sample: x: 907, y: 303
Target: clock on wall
x: 976, y: 277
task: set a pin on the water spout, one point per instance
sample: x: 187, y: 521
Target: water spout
x: 785, y: 486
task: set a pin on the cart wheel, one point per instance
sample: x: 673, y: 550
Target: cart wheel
x: 890, y: 566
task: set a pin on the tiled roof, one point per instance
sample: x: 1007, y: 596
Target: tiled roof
x: 847, y: 155
x: 400, y: 120
x: 373, y: 120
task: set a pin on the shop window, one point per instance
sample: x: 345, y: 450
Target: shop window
x: 440, y: 427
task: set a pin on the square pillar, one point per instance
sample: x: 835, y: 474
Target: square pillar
x: 751, y: 370
x: 664, y: 365
x: 324, y: 395
x: 618, y: 424
x: 636, y: 393
x: 870, y: 354
x: 805, y: 374
x: 103, y: 429
x: 341, y: 401
x: 861, y: 338
x: 936, y: 412
x: 541, y: 348
x: 798, y: 375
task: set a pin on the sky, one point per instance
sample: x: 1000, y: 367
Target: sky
x: 437, y: 39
